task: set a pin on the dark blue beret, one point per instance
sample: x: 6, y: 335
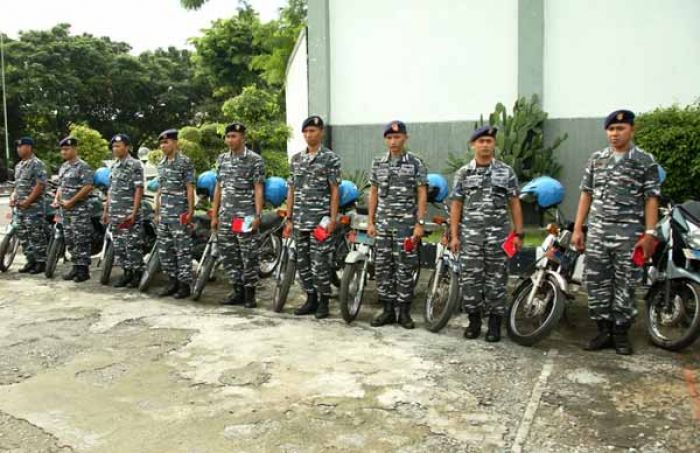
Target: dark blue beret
x: 25, y: 141
x: 314, y: 120
x: 484, y: 131
x: 168, y: 134
x: 395, y: 127
x: 235, y: 127
x: 121, y: 138
x: 68, y: 141
x: 619, y: 116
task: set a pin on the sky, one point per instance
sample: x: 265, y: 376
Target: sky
x: 144, y: 24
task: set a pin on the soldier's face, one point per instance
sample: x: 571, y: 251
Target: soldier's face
x: 234, y: 140
x: 68, y: 152
x: 313, y: 135
x: 119, y: 150
x: 168, y: 146
x: 484, y: 147
x: 24, y: 151
x: 619, y: 135
x: 395, y: 142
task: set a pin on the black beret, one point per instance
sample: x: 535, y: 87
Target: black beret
x: 235, y: 127
x: 68, y: 141
x: 168, y: 134
x: 25, y: 141
x: 619, y: 116
x: 484, y: 131
x: 122, y: 138
x: 395, y: 127
x: 314, y: 120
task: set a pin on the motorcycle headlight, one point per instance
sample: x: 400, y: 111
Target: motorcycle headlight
x: 694, y: 240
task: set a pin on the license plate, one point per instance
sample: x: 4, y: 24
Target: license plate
x: 692, y: 254
x: 363, y: 238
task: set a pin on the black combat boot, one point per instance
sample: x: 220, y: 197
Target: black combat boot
x: 71, y: 275
x: 250, y: 297
x: 135, y: 279
x: 620, y: 339
x: 474, y: 329
x: 493, y: 334
x: 123, y: 280
x: 235, y: 297
x: 322, y: 310
x: 183, y: 290
x: 603, y: 339
x: 27, y: 268
x: 38, y: 268
x: 405, y: 316
x: 388, y: 316
x: 82, y: 274
x: 170, y: 289
x: 310, y: 306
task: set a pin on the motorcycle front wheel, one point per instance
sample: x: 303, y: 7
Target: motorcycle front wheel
x: 534, y: 314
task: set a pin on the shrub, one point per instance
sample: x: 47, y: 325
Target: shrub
x: 92, y: 147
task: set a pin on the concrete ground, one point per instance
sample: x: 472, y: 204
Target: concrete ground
x: 89, y: 368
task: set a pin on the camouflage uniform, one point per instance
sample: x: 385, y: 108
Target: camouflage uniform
x: 31, y: 222
x: 237, y: 175
x: 619, y: 189
x: 125, y: 177
x: 310, y: 176
x: 77, y: 223
x: 484, y: 193
x: 175, y: 239
x: 397, y: 181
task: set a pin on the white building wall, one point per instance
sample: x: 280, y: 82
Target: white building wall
x: 421, y: 61
x: 297, y: 95
x: 601, y: 55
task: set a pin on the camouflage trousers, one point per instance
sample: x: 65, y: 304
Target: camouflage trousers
x: 77, y: 229
x: 240, y: 252
x: 483, y: 276
x: 394, y: 267
x: 175, y: 251
x: 610, y: 276
x: 32, y: 234
x: 314, y: 262
x: 128, y: 247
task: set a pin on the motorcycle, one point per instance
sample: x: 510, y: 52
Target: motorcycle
x: 540, y: 300
x: 443, y: 295
x: 673, y: 299
x: 359, y: 266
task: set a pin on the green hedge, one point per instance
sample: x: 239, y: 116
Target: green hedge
x: 672, y: 135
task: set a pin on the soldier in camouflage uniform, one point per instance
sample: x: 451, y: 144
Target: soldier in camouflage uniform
x: 174, y: 210
x: 122, y: 212
x: 482, y: 192
x: 28, y: 201
x: 397, y: 206
x: 75, y: 185
x: 621, y: 188
x: 240, y: 177
x: 313, y: 194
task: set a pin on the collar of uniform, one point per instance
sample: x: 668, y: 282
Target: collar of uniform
x: 472, y: 164
x: 176, y: 157
x: 403, y: 158
x: 306, y: 152
x: 232, y: 153
x: 627, y: 155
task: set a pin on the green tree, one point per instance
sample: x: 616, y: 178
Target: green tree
x: 92, y: 147
x: 672, y: 135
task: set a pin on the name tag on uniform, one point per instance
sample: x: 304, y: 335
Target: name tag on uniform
x: 382, y: 172
x: 472, y: 180
x: 406, y: 170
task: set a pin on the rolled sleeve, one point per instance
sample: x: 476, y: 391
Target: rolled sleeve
x: 40, y: 174
x: 87, y: 176
x: 137, y: 174
x: 513, y: 190
x: 587, y: 180
x: 219, y: 161
x: 334, y: 170
x: 652, y: 183
x: 421, y: 174
x: 188, y: 173
x: 259, y: 171
x: 373, y: 174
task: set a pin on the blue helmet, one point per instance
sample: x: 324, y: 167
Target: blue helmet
x: 101, y: 178
x: 154, y: 184
x: 347, y: 192
x: 548, y: 191
x: 206, y: 182
x: 662, y: 175
x: 437, y: 188
x: 275, y: 190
